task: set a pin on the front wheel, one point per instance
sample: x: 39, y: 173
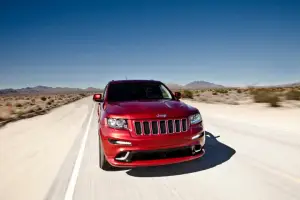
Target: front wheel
x: 103, y: 163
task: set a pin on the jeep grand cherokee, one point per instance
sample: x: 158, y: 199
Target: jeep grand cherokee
x: 142, y: 123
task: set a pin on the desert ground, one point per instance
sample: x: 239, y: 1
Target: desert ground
x: 274, y: 97
x: 20, y: 106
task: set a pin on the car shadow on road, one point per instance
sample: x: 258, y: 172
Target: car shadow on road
x: 216, y: 154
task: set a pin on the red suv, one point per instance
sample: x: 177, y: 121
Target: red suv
x: 142, y: 123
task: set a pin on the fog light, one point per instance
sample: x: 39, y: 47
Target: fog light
x: 123, y: 156
x: 196, y: 149
x: 123, y: 142
x: 119, y: 142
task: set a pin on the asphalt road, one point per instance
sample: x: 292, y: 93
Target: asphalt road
x: 55, y: 157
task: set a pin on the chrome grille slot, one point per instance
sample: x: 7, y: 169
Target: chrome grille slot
x: 170, y: 126
x: 177, y: 125
x: 156, y: 127
x: 184, y: 124
x: 162, y: 126
x: 146, y: 128
x: 138, y: 128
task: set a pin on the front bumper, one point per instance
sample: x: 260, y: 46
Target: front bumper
x: 155, y: 150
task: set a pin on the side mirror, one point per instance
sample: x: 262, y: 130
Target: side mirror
x: 97, y: 98
x: 178, y: 95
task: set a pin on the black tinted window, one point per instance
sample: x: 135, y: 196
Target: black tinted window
x: 137, y: 91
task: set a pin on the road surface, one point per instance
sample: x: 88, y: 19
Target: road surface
x: 251, y: 154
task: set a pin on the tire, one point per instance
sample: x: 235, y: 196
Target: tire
x: 103, y: 163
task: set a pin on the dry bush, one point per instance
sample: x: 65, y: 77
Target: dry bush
x: 19, y: 105
x: 266, y: 96
x: 187, y: 94
x: 293, y: 95
x: 43, y: 98
x: 222, y: 91
x: 274, y: 101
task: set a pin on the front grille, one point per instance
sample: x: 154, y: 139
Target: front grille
x: 169, y: 126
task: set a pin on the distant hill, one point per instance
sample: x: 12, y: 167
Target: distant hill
x: 202, y: 84
x: 91, y: 89
x: 296, y: 84
x: 194, y: 85
x: 45, y: 89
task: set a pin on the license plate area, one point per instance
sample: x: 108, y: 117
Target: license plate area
x: 161, y: 154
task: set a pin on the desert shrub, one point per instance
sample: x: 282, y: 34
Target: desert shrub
x: 33, y: 100
x: 260, y: 96
x: 20, y: 113
x: 293, y: 95
x: 187, y: 94
x: 30, y: 110
x: 274, y: 101
x: 83, y: 95
x: 215, y: 93
x: 38, y: 108
x: 19, y: 105
x: 266, y: 97
x: 8, y: 104
x: 222, y: 91
x: 239, y: 91
x: 43, y: 98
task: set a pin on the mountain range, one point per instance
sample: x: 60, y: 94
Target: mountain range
x: 194, y: 85
x: 45, y: 89
x: 173, y: 86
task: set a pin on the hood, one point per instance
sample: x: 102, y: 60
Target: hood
x: 149, y: 109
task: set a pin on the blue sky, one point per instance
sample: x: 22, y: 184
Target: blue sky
x: 81, y: 43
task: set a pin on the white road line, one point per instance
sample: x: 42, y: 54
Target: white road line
x: 72, y: 183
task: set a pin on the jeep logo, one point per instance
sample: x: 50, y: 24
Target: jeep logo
x: 161, y: 115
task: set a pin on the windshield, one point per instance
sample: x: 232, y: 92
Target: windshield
x: 137, y: 91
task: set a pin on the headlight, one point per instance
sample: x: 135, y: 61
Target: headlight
x: 195, y: 119
x: 117, y: 123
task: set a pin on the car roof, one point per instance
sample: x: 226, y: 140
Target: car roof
x: 133, y: 81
